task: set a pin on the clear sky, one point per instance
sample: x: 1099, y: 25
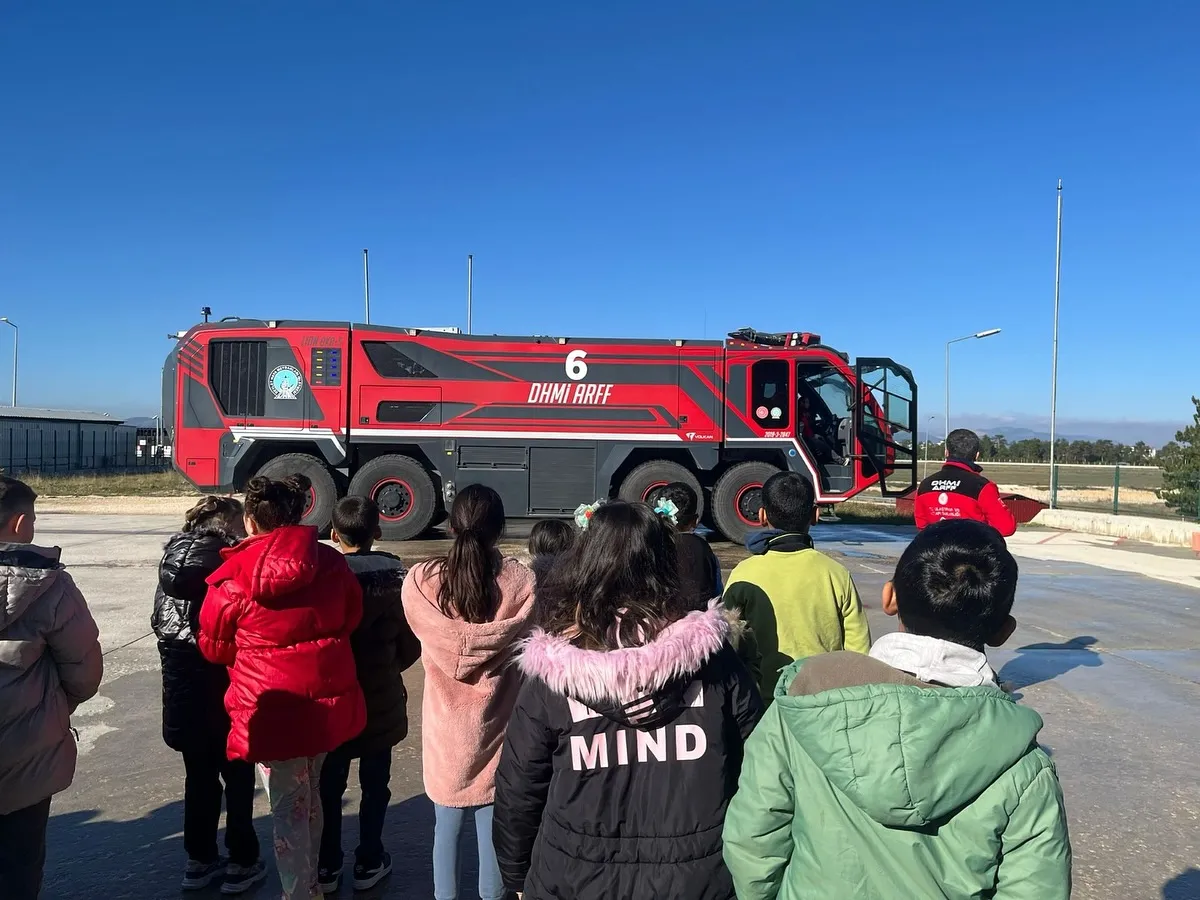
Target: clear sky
x: 883, y: 173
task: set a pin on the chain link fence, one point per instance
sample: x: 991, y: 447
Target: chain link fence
x: 1119, y: 490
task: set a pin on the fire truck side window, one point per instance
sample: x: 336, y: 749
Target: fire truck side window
x: 237, y: 373
x: 770, y: 393
x: 389, y: 361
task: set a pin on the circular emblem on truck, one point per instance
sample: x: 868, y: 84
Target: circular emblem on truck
x: 285, y: 382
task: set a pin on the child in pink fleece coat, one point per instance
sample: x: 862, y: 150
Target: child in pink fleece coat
x: 468, y: 608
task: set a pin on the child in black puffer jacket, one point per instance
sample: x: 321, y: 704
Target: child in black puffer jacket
x: 194, y: 719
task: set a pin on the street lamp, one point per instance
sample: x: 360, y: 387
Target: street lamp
x: 967, y: 337
x: 928, y: 438
x: 16, y: 336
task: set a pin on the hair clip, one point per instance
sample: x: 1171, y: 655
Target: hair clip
x: 584, y: 513
x: 667, y: 510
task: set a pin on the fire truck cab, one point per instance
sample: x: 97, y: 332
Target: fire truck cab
x: 408, y: 416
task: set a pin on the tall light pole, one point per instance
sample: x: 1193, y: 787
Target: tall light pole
x: 16, y: 341
x: 470, y: 273
x: 1054, y: 363
x: 366, y: 287
x: 928, y: 438
x: 967, y: 337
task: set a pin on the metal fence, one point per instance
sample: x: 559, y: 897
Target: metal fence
x: 69, y: 448
x: 1119, y: 490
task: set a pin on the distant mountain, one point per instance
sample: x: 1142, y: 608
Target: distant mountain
x: 141, y: 422
x: 1121, y: 431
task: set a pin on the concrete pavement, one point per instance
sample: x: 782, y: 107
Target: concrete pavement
x: 1110, y: 658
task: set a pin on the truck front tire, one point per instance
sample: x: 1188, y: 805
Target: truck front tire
x: 324, y: 494
x: 404, y: 492
x: 737, y: 498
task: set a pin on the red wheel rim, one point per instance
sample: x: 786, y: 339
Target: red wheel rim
x: 748, y: 502
x: 310, y: 501
x: 652, y: 488
x: 394, y: 497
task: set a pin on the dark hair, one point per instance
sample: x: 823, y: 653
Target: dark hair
x: 223, y: 513
x: 16, y: 498
x: 275, y: 503
x: 962, y: 444
x: 683, y: 498
x: 956, y: 581
x: 468, y: 573
x: 550, y: 537
x: 355, y: 520
x: 619, y: 584
x: 789, y: 499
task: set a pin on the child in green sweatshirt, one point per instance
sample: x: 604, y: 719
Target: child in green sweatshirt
x: 797, y: 601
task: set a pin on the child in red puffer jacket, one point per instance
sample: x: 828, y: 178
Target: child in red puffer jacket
x: 279, y: 613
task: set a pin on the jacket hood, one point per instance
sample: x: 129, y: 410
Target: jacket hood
x: 641, y: 686
x: 376, y: 566
x: 969, y: 464
x: 908, y: 756
x: 274, y: 565
x: 185, y: 564
x: 462, y: 649
x: 759, y: 542
x: 26, y: 573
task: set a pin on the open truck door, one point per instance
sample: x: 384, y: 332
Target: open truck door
x: 885, y: 424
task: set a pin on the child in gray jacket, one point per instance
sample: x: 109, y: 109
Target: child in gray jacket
x: 49, y: 664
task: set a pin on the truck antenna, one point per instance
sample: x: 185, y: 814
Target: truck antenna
x: 470, y: 266
x: 366, y: 286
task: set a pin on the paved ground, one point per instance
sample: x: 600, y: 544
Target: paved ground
x: 1110, y: 659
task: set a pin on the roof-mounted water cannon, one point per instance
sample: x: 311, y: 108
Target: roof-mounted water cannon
x: 775, y: 338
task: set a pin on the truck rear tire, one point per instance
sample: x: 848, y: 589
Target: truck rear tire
x: 737, y: 498
x: 642, y: 481
x: 404, y: 492
x: 324, y: 493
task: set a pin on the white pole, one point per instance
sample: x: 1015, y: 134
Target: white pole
x: 947, y: 434
x: 976, y: 336
x: 470, y: 273
x: 366, y: 286
x: 16, y: 346
x: 1054, y: 363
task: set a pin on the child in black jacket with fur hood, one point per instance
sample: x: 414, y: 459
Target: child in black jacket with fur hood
x: 625, y: 745
x: 194, y: 719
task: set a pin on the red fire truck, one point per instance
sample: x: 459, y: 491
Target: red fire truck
x: 408, y: 416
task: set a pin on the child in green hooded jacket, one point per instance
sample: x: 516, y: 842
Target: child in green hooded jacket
x: 909, y: 772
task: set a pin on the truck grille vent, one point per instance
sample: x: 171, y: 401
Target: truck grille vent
x: 237, y: 373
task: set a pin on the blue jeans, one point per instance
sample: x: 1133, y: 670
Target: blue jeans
x: 447, y: 828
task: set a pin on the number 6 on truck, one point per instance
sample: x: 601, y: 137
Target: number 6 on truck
x: 576, y: 367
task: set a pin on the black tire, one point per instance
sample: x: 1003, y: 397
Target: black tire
x: 404, y: 492
x: 737, y: 497
x: 641, y: 482
x: 324, y: 496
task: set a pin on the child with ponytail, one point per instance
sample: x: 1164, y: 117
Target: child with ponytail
x: 279, y: 613
x: 469, y: 609
x: 194, y: 720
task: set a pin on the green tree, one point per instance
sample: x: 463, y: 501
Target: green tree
x: 1180, y: 461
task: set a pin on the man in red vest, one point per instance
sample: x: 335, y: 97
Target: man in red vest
x: 959, y: 490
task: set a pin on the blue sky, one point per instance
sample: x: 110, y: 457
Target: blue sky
x: 881, y: 173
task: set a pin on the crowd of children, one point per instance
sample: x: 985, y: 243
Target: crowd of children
x: 616, y: 721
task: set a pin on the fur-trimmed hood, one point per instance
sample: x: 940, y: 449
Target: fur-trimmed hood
x: 642, y: 686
